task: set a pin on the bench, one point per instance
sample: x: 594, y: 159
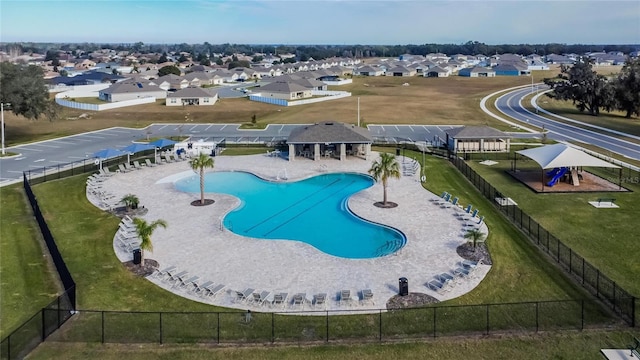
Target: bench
x: 635, y: 348
x: 606, y: 200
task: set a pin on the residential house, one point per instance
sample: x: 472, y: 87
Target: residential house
x: 285, y: 90
x: 192, y: 96
x: 477, y: 71
x: 511, y: 69
x: 369, y: 71
x: 129, y: 90
x: 400, y: 71
x: 437, y: 71
x: 171, y: 82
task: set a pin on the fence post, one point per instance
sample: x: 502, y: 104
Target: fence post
x: 597, y: 283
x: 273, y: 327
x: 160, y: 313
x: 538, y: 237
x: 558, y: 242
x: 218, y: 329
x: 570, y: 262
x: 614, y: 296
x: 548, y: 242
x: 58, y: 312
x: 582, y: 315
x: 380, y: 323
x: 102, y: 315
x: 487, y: 319
x: 43, y: 324
x: 434, y: 321
x: 633, y: 311
x: 582, y: 271
x: 537, y: 316
x: 327, y: 325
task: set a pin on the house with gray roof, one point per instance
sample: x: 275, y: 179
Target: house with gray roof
x: 436, y: 71
x: 467, y: 139
x: 329, y: 140
x: 286, y: 90
x: 369, y: 71
x: 129, y: 90
x: 171, y: 82
x: 477, y: 71
x: 192, y: 96
x: 400, y: 71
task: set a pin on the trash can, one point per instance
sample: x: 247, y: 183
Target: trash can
x: 397, y: 151
x: 137, y: 256
x: 403, y: 286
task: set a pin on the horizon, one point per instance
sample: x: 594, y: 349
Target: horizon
x: 322, y: 22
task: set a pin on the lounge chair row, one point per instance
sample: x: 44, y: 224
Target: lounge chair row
x: 183, y: 280
x: 444, y: 282
x: 127, y: 237
x: 250, y: 296
x: 95, y: 190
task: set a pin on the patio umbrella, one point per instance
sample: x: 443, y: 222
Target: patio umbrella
x: 137, y: 147
x: 161, y: 143
x: 107, y: 154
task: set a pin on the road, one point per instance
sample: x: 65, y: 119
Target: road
x: 511, y: 105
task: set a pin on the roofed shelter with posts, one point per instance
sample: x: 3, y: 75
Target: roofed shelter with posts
x: 329, y: 140
x: 466, y: 139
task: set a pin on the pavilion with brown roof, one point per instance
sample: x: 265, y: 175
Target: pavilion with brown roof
x: 329, y: 139
x: 477, y: 139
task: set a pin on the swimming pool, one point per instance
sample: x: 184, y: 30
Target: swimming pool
x: 313, y: 210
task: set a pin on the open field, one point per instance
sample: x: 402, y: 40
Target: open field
x: 383, y: 100
x: 567, y: 345
x: 27, y: 283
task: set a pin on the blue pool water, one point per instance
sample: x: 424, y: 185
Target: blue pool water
x: 313, y: 210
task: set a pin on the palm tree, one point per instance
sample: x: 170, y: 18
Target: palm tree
x: 199, y: 163
x: 144, y: 231
x: 130, y: 201
x: 384, y: 168
x: 475, y: 236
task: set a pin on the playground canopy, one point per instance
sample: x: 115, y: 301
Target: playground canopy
x: 562, y: 155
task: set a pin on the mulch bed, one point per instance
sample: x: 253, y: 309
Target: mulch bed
x: 410, y: 301
x: 149, y: 267
x: 199, y: 203
x: 480, y: 252
x: 388, y: 205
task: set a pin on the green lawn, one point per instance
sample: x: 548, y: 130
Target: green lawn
x: 605, y: 237
x: 26, y: 280
x: 566, y: 345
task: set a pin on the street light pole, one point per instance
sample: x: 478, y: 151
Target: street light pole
x: 2, y: 116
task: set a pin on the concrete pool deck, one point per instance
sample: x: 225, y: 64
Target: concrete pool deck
x: 196, y: 242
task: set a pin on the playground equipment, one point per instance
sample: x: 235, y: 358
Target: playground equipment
x: 556, y: 174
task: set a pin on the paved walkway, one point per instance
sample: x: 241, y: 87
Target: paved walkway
x: 195, y: 241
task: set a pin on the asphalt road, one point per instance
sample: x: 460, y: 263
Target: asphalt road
x: 511, y: 105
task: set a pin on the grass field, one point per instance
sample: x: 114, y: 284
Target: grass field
x: 26, y: 282
x: 567, y: 345
x: 383, y: 100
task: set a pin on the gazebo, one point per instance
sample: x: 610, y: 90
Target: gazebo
x: 564, y: 161
x: 329, y: 139
x: 481, y: 139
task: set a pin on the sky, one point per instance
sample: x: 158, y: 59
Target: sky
x: 306, y: 22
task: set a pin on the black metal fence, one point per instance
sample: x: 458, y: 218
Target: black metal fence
x: 324, y: 326
x: 587, y: 275
x: 42, y: 324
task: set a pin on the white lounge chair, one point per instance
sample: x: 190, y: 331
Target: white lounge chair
x: 149, y: 163
x: 164, y: 272
x: 242, y: 296
x: 345, y: 297
x: 137, y: 165
x: 320, y: 300
x: 279, y: 299
x: 367, y: 296
x: 213, y: 290
x: 299, y: 299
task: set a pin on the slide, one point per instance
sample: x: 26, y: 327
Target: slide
x: 557, y: 176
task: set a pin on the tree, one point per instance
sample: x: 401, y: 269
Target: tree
x: 163, y: 58
x: 130, y: 201
x: 627, y: 88
x: 170, y: 69
x: 198, y: 164
x: 587, y: 89
x: 475, y: 236
x: 384, y: 168
x: 24, y: 88
x: 144, y: 230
